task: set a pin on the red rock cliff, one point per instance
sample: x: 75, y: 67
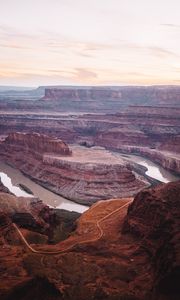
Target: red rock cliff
x: 153, y: 218
x: 84, y: 177
x: 36, y: 142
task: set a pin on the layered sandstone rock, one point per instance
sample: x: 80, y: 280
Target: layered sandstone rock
x: 169, y: 160
x: 37, y: 143
x: 151, y: 127
x: 160, y: 95
x: 84, y: 177
x: 138, y: 126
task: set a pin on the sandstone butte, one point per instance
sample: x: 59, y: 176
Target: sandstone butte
x: 116, y: 252
x: 78, y: 176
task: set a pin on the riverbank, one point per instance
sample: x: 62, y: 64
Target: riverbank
x: 168, y: 161
x: 152, y: 170
x: 49, y: 198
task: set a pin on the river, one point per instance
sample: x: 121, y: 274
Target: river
x: 153, y: 170
x: 11, y: 177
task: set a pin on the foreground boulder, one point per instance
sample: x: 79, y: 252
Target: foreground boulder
x: 153, y: 218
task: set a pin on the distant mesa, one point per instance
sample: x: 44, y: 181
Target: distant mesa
x: 81, y: 94
x: 155, y: 94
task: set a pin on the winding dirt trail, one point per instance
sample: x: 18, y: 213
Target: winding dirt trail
x: 98, y: 237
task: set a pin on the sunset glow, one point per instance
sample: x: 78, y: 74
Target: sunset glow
x: 89, y: 42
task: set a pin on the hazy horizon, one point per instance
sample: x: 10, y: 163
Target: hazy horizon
x: 86, y: 43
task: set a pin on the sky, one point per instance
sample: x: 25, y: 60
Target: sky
x: 89, y: 42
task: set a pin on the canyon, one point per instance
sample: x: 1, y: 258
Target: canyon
x: 79, y: 174
x: 153, y: 132
x: 79, y: 142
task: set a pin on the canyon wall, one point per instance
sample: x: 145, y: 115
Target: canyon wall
x: 152, y: 127
x: 37, y: 143
x: 153, y: 219
x: 143, y: 128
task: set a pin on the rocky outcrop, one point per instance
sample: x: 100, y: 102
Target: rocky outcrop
x: 153, y: 217
x: 66, y: 224
x: 32, y: 214
x: 81, y: 177
x: 113, y: 254
x: 37, y: 143
x: 28, y: 213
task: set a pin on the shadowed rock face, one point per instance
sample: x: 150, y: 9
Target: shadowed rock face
x: 36, y: 289
x: 153, y: 218
x: 28, y: 213
x: 32, y: 214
